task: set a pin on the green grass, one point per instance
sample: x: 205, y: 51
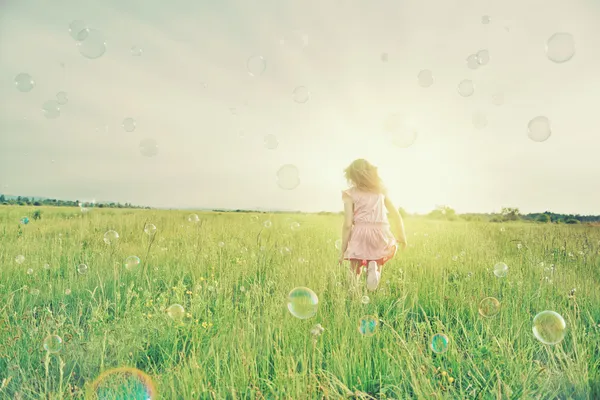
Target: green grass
x: 240, y: 342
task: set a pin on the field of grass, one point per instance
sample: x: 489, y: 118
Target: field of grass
x: 238, y: 340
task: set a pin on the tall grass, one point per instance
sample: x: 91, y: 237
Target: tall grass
x: 238, y: 341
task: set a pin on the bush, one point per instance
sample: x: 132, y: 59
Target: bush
x: 571, y: 221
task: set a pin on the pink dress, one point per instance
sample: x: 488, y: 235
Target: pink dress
x: 371, y: 238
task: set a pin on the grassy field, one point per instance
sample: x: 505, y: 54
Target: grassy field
x: 238, y: 340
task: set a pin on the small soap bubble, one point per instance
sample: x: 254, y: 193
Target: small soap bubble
x: 466, y: 88
x: 365, y: 300
x: 498, y: 99
x: 111, y: 237
x: 53, y: 343
x: 20, y: 259
x: 128, y: 124
x: 150, y: 229
x: 24, y: 82
x: 500, y: 270
x: 384, y: 57
x: 402, y: 134
x: 473, y: 61
x: 425, y: 78
x: 539, y: 129
x: 295, y: 226
x: 62, y: 98
x: 92, y: 44
x: 24, y: 221
x: 301, y: 94
x: 317, y: 330
x: 176, y: 311
x: 221, y: 244
x: 123, y: 383
x: 51, y: 109
x: 136, y: 51
x: 549, y: 327
x: 256, y: 65
x: 68, y: 292
x: 560, y: 47
x: 439, y: 343
x: 30, y: 271
x: 479, y: 120
x: 489, y: 307
x: 486, y: 19
x: 271, y: 142
x: 76, y: 28
x: 288, y: 177
x: 82, y: 269
x: 148, y: 147
x: 483, y: 57
x: 338, y: 244
x: 193, y: 218
x: 46, y: 266
x: 302, y: 303
x: 267, y: 224
x: 367, y: 325
x: 285, y: 251
x: 34, y: 292
x: 132, y: 262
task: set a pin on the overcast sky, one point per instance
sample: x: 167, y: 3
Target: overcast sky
x: 190, y: 90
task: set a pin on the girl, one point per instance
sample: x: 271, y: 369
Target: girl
x: 366, y: 236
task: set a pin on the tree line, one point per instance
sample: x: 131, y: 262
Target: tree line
x: 26, y: 201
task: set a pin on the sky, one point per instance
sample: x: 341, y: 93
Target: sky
x: 190, y: 90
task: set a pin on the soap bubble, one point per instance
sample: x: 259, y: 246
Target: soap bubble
x: 288, y: 177
x: 267, y: 224
x: 365, y: 300
x: 317, y: 330
x: 92, y: 44
x: 129, y: 124
x: 123, y: 384
x: 479, y: 120
x: 34, y: 292
x: 82, y: 269
x: 271, y: 142
x: 221, y: 244
x: 486, y: 19
x: 539, y: 129
x: 62, y: 98
x: 549, y: 327
x: 132, y: 262
x: 30, y: 271
x: 46, y: 266
x: 24, y: 221
x: 500, y: 270
x: 136, y: 51
x: 402, y: 134
x: 24, y: 82
x: 367, y: 325
x: 473, y: 61
x: 76, y: 28
x: 489, y: 307
x: 425, y: 78
x: 256, y: 65
x: 51, y: 109
x: 560, y: 47
x: 483, y: 57
x: 466, y: 88
x: 384, y: 57
x: 68, y: 292
x: 53, y: 343
x: 439, y: 343
x: 303, y: 303
x: 301, y: 94
x: 20, y: 259
x: 193, y: 218
x: 150, y: 229
x: 176, y: 311
x: 295, y: 226
x: 338, y: 244
x: 111, y: 237
x: 148, y: 147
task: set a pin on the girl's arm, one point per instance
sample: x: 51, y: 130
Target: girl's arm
x: 348, y: 221
x: 397, y: 223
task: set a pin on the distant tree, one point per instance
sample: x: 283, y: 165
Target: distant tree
x: 544, y: 218
x: 2, y: 198
x: 571, y: 221
x: 443, y: 212
x: 510, y: 214
x: 37, y: 203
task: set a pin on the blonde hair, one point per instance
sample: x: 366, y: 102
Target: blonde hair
x: 364, y: 176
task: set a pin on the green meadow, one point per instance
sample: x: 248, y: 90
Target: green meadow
x: 237, y: 339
